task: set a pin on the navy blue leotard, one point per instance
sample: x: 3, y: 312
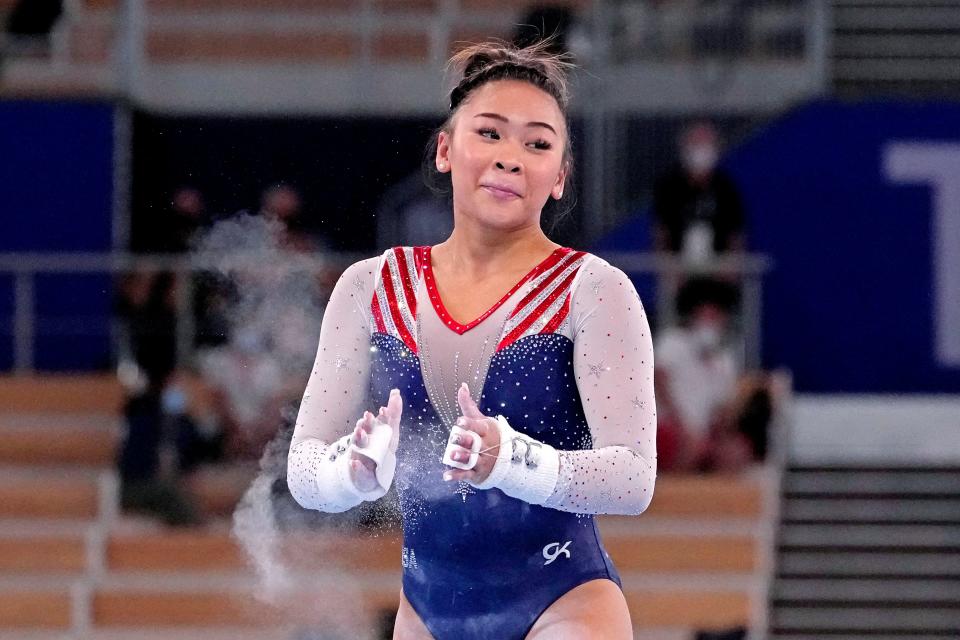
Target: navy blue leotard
x: 479, y: 563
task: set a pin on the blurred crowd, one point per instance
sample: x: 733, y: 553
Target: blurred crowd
x: 712, y: 414
x: 253, y: 329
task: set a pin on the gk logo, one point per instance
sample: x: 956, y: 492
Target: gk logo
x: 550, y: 556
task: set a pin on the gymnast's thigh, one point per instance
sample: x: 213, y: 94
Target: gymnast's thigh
x: 594, y: 609
x: 408, y: 625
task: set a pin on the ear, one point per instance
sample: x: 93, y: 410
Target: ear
x: 557, y: 191
x: 443, y: 152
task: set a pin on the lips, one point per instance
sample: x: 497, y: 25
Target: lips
x: 500, y: 190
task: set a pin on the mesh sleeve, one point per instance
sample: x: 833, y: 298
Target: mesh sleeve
x: 336, y: 393
x: 613, y: 363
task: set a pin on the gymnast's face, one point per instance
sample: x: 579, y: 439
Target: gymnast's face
x: 505, y: 153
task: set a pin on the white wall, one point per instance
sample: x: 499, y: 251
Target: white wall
x: 875, y: 429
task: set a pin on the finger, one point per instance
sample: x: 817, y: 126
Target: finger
x: 451, y: 475
x: 394, y: 408
x: 468, y: 407
x: 480, y: 426
x: 367, y: 422
x: 358, y: 432
x: 465, y: 440
x: 360, y: 437
x: 460, y: 454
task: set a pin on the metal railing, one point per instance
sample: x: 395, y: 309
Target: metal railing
x: 24, y: 268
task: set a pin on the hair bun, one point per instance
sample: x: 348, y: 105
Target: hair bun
x: 482, y: 62
x: 477, y: 63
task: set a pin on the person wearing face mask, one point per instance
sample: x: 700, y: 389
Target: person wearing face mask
x: 697, y: 206
x: 696, y: 379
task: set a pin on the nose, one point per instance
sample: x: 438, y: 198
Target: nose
x: 506, y: 165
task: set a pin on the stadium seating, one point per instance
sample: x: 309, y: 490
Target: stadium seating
x: 69, y: 561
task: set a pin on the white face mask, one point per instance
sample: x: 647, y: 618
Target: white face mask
x: 700, y: 158
x: 173, y: 401
x: 707, y: 336
x: 248, y: 342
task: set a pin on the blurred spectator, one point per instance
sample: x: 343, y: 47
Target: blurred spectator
x: 172, y: 233
x: 146, y: 309
x: 250, y: 389
x: 281, y: 203
x: 34, y: 17
x: 182, y: 217
x: 28, y: 28
x: 266, y: 263
x: 161, y: 441
x: 697, y: 207
x: 708, y: 418
x: 186, y: 217
x: 411, y: 214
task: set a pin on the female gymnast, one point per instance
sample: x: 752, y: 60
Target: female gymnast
x: 517, y: 378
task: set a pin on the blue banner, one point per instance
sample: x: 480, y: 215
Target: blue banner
x: 56, y: 194
x: 859, y: 205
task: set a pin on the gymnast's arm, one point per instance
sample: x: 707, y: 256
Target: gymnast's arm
x: 318, y: 467
x: 613, y: 364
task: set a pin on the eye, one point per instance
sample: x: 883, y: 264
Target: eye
x: 487, y: 132
x: 541, y: 145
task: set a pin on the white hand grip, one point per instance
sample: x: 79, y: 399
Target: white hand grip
x: 378, y: 450
x: 452, y: 446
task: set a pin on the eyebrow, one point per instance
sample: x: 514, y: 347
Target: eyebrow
x: 497, y: 116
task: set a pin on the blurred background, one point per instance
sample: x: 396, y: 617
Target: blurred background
x: 183, y: 181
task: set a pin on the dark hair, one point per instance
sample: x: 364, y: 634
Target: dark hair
x: 704, y: 290
x: 477, y: 64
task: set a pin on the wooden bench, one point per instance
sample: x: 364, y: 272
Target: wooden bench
x: 29, y: 609
x: 64, y: 444
x: 49, y: 496
x: 49, y: 394
x: 23, y: 555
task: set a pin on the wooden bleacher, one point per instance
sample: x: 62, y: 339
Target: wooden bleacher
x: 235, y: 34
x: 69, y: 563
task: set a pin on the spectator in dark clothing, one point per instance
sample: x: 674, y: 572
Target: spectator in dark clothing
x: 28, y: 28
x: 697, y: 207
x: 281, y: 203
x: 154, y: 411
x: 146, y: 308
x: 187, y: 215
x: 34, y: 17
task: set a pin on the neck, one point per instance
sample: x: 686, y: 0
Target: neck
x: 478, y: 251
x: 699, y: 178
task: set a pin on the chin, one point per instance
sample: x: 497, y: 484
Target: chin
x: 499, y: 214
x: 509, y: 223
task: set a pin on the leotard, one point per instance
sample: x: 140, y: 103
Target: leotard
x: 565, y: 355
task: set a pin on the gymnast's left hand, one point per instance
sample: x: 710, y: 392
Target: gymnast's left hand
x: 489, y: 432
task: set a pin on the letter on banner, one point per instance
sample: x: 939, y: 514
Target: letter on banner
x: 937, y: 164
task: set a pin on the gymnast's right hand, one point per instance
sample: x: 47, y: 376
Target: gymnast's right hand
x: 376, y: 439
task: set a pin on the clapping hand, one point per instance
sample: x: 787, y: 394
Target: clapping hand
x: 367, y: 436
x: 462, y: 444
